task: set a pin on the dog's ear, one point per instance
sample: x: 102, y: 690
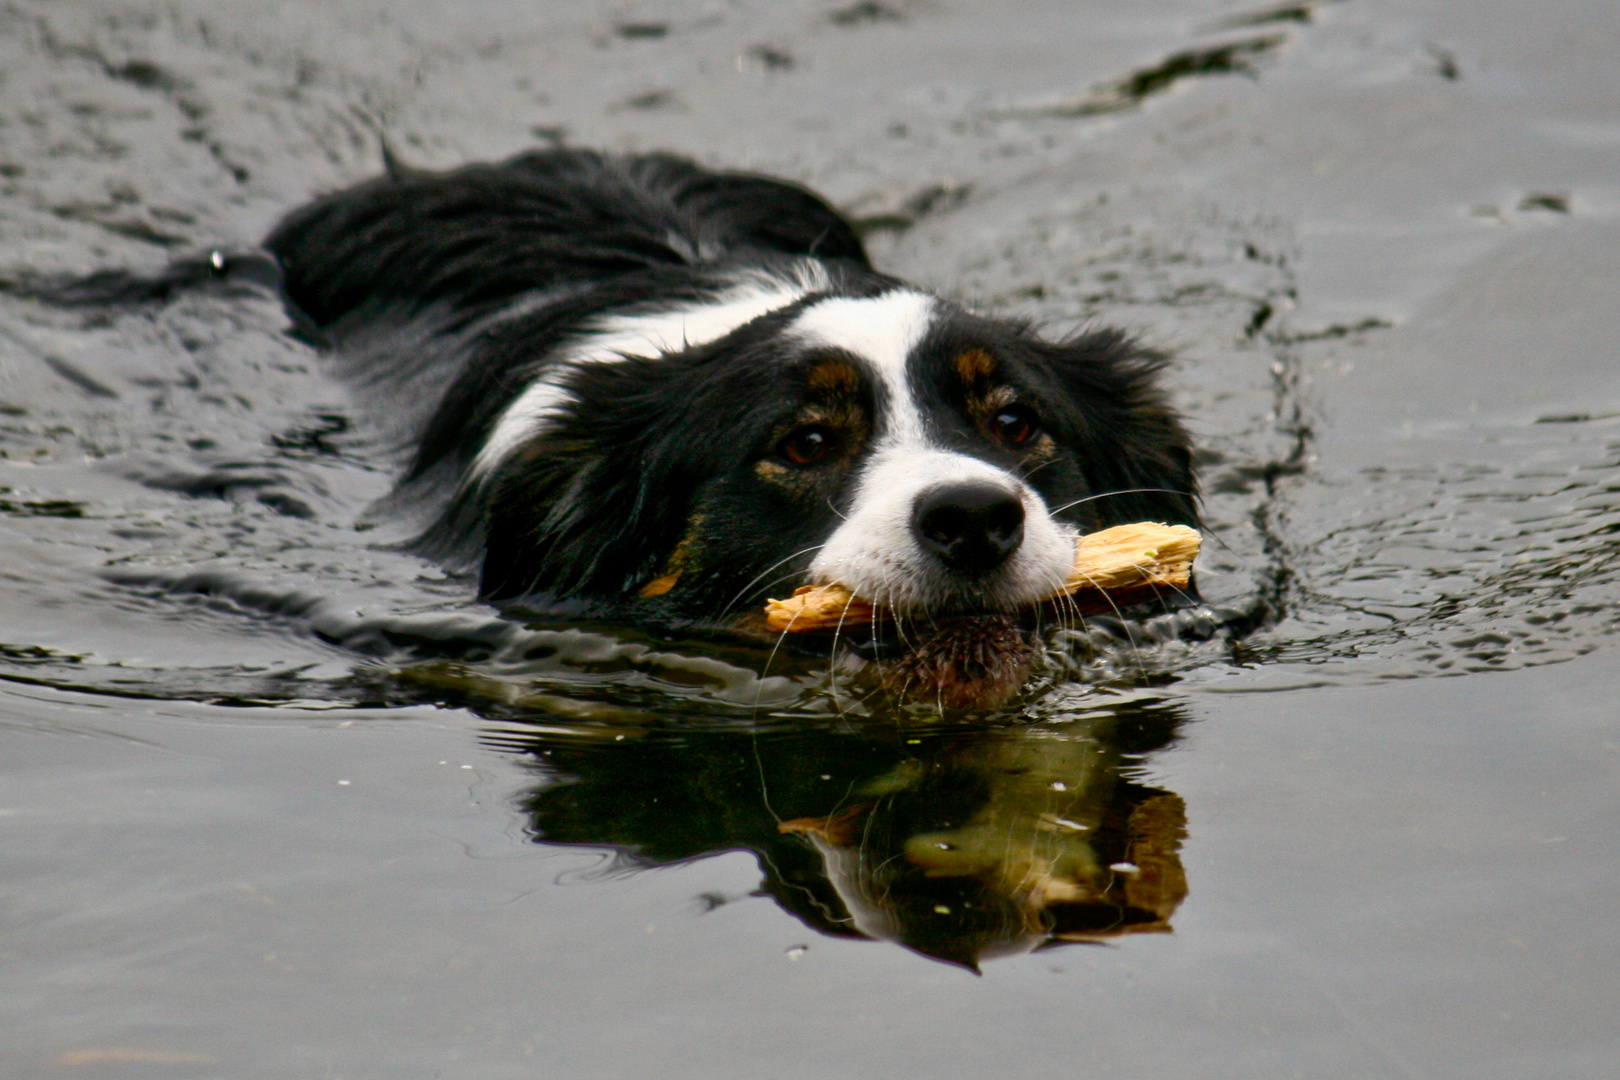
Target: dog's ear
x: 596, y: 507
x: 1111, y: 410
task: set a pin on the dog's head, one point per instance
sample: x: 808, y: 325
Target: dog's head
x: 936, y: 462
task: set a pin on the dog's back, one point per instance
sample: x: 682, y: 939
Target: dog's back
x: 481, y: 236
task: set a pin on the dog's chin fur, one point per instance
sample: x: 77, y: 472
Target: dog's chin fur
x: 964, y: 662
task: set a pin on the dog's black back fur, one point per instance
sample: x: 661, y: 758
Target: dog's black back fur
x: 487, y: 234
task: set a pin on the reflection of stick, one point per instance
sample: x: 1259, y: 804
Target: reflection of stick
x: 1123, y: 558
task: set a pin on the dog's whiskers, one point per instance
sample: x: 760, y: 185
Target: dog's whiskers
x: 1121, y: 491
x: 745, y: 589
x: 832, y: 659
x: 1125, y: 624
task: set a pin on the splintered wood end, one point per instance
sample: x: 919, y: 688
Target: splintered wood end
x: 1131, y: 556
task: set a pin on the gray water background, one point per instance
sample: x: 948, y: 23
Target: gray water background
x: 241, y: 839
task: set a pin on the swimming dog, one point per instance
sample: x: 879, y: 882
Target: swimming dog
x: 636, y: 388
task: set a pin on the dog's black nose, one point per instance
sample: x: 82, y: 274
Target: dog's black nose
x: 973, y: 526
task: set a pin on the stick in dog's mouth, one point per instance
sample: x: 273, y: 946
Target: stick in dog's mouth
x: 982, y: 658
x: 1112, y: 563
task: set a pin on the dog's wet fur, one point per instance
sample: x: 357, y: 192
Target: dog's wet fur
x: 635, y: 389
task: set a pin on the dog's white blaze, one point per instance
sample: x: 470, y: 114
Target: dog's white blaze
x: 614, y: 337
x: 875, y: 550
x: 883, y: 331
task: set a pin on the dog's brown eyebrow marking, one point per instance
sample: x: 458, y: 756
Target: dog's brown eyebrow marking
x: 835, y: 378
x: 975, y: 366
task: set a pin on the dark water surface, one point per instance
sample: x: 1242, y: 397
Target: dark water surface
x: 276, y: 801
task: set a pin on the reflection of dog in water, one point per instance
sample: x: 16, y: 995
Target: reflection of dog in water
x: 1004, y: 847
x: 635, y: 388
x: 962, y: 845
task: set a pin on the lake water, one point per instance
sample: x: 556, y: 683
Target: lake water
x: 278, y: 801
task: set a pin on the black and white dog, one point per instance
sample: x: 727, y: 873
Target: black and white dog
x: 635, y: 388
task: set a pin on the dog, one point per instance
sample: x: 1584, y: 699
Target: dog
x: 633, y: 388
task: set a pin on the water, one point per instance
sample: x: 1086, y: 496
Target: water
x: 278, y: 801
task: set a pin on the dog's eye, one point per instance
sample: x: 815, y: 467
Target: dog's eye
x: 1015, y: 424
x: 807, y: 445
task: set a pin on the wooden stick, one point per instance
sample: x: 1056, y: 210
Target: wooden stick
x: 1120, y: 559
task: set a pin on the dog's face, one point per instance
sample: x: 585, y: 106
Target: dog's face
x: 933, y: 461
